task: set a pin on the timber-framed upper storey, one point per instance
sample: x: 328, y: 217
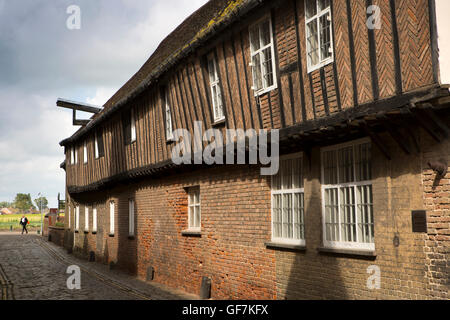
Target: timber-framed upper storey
x: 307, y: 73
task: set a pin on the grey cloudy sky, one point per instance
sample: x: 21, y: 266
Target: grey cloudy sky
x: 41, y: 60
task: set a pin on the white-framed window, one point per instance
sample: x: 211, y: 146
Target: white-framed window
x: 347, y: 202
x: 85, y: 153
x: 319, y: 34
x: 216, y: 93
x: 72, y: 155
x: 288, y: 202
x: 131, y: 217
x: 86, y: 219
x: 77, y: 218
x: 76, y: 155
x: 111, y: 217
x: 194, y: 213
x: 94, y: 219
x: 262, y: 56
x: 133, y: 126
x: 168, y: 117
x: 70, y: 216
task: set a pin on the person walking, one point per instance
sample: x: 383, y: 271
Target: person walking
x: 24, y: 223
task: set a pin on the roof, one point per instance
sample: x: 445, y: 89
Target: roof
x: 206, y: 22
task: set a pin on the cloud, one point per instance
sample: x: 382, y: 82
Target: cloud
x: 41, y: 60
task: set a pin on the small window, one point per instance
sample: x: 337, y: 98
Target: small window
x: 86, y: 219
x: 347, y: 196
x: 99, y: 145
x: 194, y: 214
x: 318, y: 33
x: 72, y: 156
x: 85, y: 153
x: 216, y: 93
x: 131, y: 218
x: 111, y: 218
x: 129, y: 127
x: 70, y: 214
x: 288, y: 202
x: 262, y: 57
x: 168, y: 117
x: 94, y: 219
x: 76, y: 155
x: 77, y: 218
x: 133, y: 126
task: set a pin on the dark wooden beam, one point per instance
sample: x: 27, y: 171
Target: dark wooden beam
x: 78, y: 106
x: 401, y: 140
x: 428, y: 126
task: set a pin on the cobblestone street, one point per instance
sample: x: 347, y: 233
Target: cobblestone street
x: 33, y: 269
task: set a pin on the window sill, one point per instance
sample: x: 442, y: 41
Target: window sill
x: 131, y: 238
x: 190, y: 233
x: 320, y: 65
x: 76, y: 231
x: 111, y: 235
x: 350, y: 252
x: 265, y: 91
x: 86, y: 232
x: 285, y: 246
x: 94, y: 232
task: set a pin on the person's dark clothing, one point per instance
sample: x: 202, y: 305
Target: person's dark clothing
x: 24, y: 223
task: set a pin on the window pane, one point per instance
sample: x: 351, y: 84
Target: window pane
x: 365, y: 214
x: 323, y: 4
x: 313, y: 43
x: 346, y: 165
x: 212, y: 72
x: 276, y: 215
x: 297, y: 173
x: 267, y: 67
x: 265, y: 33
x: 348, y: 219
x: 254, y: 38
x: 287, y: 216
x: 330, y: 167
x: 197, y: 216
x: 331, y: 215
x: 299, y: 225
x: 286, y: 179
x: 363, y: 162
x: 325, y: 36
x: 311, y: 8
x: 257, y: 74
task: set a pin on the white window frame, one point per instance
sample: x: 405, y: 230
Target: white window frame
x: 85, y: 153
x: 131, y: 205
x: 97, y: 154
x: 132, y: 127
x: 112, y: 211
x: 218, y: 116
x: 192, y: 226
x: 94, y: 219
x: 86, y: 219
x: 264, y: 88
x: 317, y: 16
x: 280, y: 240
x: 168, y: 117
x: 342, y: 244
x: 76, y: 155
x: 77, y: 218
x: 70, y: 213
x: 72, y: 155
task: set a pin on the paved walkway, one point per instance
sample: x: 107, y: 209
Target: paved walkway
x: 34, y: 269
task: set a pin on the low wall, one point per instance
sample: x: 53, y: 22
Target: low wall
x: 56, y: 235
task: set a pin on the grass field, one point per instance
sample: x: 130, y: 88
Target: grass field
x: 13, y: 220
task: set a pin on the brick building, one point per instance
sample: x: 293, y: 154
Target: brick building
x: 362, y: 188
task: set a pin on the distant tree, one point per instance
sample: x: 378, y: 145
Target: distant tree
x: 23, y: 202
x: 5, y: 204
x: 41, y: 201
